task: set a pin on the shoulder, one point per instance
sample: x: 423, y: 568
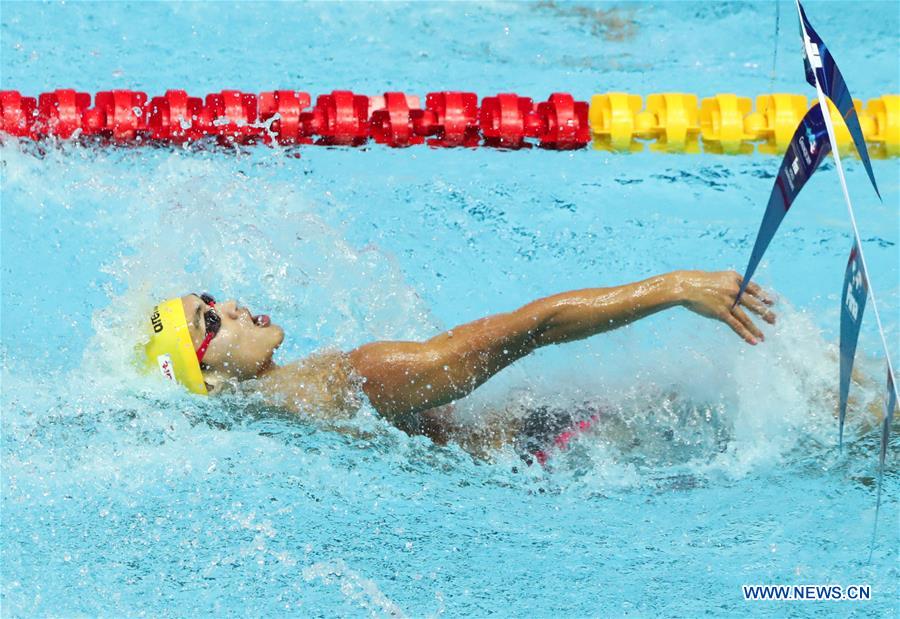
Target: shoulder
x: 322, y: 385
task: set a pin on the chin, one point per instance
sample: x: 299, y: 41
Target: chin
x: 279, y: 335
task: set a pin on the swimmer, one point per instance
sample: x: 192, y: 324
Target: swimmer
x: 210, y: 347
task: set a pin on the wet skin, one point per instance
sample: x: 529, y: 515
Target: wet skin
x: 410, y: 383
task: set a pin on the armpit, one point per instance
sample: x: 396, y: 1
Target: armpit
x: 324, y: 385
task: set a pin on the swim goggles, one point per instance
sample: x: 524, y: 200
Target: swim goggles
x: 212, y: 321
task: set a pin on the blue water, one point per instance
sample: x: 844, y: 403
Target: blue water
x: 717, y: 464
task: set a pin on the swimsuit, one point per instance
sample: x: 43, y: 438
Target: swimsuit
x: 546, y: 429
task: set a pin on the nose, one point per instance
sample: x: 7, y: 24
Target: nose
x: 229, y: 308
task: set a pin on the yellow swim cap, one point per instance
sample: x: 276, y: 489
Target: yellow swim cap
x: 170, y: 350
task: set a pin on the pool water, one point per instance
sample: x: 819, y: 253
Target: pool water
x: 715, y: 465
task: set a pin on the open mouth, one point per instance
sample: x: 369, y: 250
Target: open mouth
x: 260, y: 321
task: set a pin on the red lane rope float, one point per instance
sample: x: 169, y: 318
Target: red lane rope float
x: 167, y: 117
x: 452, y: 117
x: 507, y: 119
x: 16, y: 113
x: 61, y: 111
x: 677, y: 122
x: 392, y: 122
x: 341, y: 118
x: 564, y: 122
x: 287, y: 104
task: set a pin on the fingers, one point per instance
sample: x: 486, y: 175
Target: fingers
x: 757, y: 301
x: 732, y: 321
x: 758, y: 307
x: 759, y: 293
x: 753, y: 289
x: 748, y: 322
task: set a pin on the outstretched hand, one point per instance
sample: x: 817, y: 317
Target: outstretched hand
x: 712, y: 295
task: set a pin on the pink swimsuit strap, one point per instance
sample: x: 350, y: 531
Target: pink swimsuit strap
x: 562, y: 440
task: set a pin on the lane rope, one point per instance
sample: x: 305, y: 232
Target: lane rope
x: 616, y: 122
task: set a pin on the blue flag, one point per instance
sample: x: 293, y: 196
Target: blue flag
x: 808, y: 147
x: 823, y: 66
x: 890, y: 404
x: 853, y: 303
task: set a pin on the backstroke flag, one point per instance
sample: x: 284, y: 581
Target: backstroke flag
x: 890, y: 404
x: 807, y: 149
x: 823, y: 74
x: 853, y: 302
x: 821, y: 64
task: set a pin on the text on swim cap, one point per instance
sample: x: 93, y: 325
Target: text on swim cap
x: 165, y: 366
x: 155, y: 321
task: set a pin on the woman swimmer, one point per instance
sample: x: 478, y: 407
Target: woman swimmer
x: 208, y: 346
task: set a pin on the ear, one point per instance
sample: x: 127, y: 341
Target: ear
x: 216, y: 382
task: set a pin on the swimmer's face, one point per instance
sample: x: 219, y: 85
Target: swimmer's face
x: 244, y: 344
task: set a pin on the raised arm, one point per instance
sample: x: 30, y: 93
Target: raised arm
x: 409, y: 377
